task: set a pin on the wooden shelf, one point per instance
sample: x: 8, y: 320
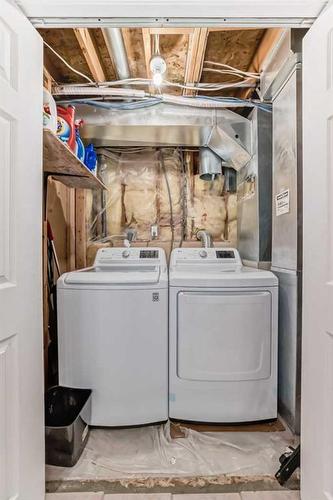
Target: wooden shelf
x: 64, y: 166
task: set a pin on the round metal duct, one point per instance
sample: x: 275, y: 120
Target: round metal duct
x: 230, y: 179
x: 210, y: 165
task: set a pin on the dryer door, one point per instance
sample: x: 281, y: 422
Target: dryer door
x: 224, y: 336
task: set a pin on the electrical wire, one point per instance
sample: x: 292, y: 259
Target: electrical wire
x: 170, y: 199
x: 244, y: 102
x: 183, y: 196
x: 122, y: 105
x: 223, y: 65
x: 210, y: 87
x: 227, y: 72
x: 68, y: 65
x: 216, y: 102
x: 70, y: 88
x: 146, y: 81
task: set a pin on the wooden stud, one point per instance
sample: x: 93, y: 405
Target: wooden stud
x: 126, y: 33
x: 146, y: 35
x: 90, y: 53
x: 267, y: 43
x: 195, y: 57
x: 80, y: 229
x: 70, y: 209
x: 147, y: 48
x: 47, y: 80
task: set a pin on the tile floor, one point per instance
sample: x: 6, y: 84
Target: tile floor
x: 261, y: 495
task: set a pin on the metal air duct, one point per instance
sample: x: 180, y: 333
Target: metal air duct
x: 115, y: 43
x: 227, y: 134
x: 210, y: 165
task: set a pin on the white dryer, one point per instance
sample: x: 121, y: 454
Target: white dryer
x: 113, y: 335
x: 222, y: 338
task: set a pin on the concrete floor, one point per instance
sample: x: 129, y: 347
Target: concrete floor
x: 249, y: 495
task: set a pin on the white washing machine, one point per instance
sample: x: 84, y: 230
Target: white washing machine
x: 113, y: 335
x: 222, y: 338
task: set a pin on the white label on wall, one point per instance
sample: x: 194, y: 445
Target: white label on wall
x: 282, y: 202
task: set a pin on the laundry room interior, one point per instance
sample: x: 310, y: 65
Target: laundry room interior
x: 172, y: 258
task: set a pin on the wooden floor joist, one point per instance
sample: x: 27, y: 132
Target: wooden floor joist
x: 195, y: 57
x: 90, y: 53
x: 267, y: 43
x: 146, y: 36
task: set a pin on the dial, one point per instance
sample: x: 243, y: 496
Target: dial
x: 203, y: 254
x: 126, y: 254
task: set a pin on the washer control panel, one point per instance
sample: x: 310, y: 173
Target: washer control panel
x: 148, y: 254
x: 112, y: 255
x: 225, y: 254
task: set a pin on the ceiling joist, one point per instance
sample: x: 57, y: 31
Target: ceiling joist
x: 195, y: 57
x: 90, y: 53
x: 267, y: 43
x: 47, y: 79
x: 146, y: 36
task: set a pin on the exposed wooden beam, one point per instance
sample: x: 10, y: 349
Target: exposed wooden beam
x: 269, y: 40
x: 47, y: 79
x: 195, y: 57
x: 126, y: 32
x: 229, y: 28
x: 90, y: 53
x: 70, y: 210
x: 146, y: 35
x: 50, y: 67
x: 147, y: 48
x: 171, y: 31
x: 80, y: 229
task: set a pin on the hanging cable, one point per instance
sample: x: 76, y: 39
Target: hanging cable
x: 170, y: 199
x: 233, y: 73
x: 183, y: 196
x: 222, y: 65
x: 68, y: 65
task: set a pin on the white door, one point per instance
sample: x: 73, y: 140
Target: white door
x: 317, y: 384
x: 21, y: 354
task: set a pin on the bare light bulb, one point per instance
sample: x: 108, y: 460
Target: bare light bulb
x: 157, y: 79
x: 158, y: 68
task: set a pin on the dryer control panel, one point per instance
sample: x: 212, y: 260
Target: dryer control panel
x: 220, y: 256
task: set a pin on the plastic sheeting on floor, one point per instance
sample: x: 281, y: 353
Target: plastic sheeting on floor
x: 114, y: 454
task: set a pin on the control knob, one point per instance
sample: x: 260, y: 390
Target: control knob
x: 203, y: 254
x: 126, y: 254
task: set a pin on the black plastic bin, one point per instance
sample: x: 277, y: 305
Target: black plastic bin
x: 66, y: 432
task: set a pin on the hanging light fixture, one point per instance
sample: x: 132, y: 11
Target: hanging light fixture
x: 157, y: 63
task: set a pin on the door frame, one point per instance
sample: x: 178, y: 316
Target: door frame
x: 164, y: 13
x: 115, y: 13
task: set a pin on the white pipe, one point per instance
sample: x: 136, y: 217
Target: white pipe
x: 103, y: 91
x: 115, y: 43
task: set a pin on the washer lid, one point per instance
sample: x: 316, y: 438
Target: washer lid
x: 115, y: 275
